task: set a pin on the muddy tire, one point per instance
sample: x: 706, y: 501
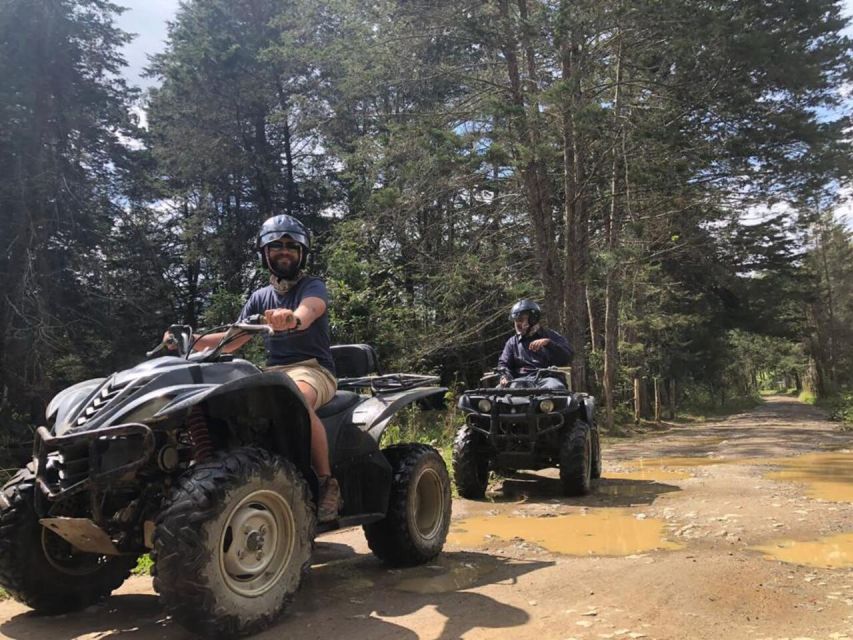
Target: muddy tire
x: 232, y: 543
x: 470, y: 465
x: 596, y: 453
x: 415, y: 528
x: 42, y: 570
x: 576, y: 455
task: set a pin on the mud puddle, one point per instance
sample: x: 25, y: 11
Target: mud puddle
x: 835, y: 552
x: 676, y: 461
x: 828, y: 476
x: 604, y: 532
x: 647, y: 475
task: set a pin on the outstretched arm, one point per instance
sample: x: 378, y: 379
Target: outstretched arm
x: 302, y: 317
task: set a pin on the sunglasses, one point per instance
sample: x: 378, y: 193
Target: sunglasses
x: 278, y: 245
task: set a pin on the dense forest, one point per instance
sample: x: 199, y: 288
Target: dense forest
x: 661, y: 175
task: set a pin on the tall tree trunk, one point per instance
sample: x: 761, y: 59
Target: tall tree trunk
x: 575, y: 214
x: 612, y: 295
x: 537, y: 187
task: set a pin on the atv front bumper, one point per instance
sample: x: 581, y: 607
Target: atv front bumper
x: 69, y: 464
x: 519, y: 440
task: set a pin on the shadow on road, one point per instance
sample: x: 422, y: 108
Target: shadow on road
x: 533, y: 488
x: 126, y: 616
x: 345, y: 594
x: 366, y: 596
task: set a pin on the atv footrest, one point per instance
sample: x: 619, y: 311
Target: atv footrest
x: 349, y: 521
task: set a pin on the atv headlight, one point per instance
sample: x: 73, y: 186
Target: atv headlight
x: 546, y: 405
x: 484, y: 405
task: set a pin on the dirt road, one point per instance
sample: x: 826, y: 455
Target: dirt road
x: 735, y: 529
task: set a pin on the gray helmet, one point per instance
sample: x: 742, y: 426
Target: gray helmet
x: 279, y: 226
x: 524, y: 305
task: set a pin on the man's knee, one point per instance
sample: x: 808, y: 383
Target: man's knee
x: 309, y: 393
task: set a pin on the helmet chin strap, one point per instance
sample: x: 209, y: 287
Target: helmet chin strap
x: 531, y: 329
x: 283, y: 285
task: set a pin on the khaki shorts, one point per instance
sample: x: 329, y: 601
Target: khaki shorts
x: 311, y: 372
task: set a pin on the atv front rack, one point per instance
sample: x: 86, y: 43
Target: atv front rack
x: 79, y: 457
x: 388, y: 383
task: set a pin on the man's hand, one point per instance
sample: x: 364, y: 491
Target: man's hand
x: 281, y: 319
x: 504, y: 381
x: 538, y: 344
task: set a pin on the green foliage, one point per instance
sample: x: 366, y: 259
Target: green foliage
x: 436, y: 427
x: 450, y: 157
x: 143, y: 566
x: 840, y: 407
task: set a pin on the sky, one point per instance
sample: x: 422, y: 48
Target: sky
x: 148, y: 20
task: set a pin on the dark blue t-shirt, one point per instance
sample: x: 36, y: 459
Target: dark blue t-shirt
x: 298, y: 346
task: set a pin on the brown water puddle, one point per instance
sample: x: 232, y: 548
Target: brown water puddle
x: 647, y: 475
x: 829, y: 476
x: 835, y: 552
x: 676, y: 461
x: 604, y: 532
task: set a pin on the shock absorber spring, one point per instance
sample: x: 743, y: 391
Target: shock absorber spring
x: 199, y: 434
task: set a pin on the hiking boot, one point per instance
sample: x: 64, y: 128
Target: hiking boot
x: 330, y: 502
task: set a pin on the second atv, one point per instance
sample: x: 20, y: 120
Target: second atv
x: 530, y: 428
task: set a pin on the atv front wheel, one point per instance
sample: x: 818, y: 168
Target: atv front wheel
x: 415, y: 528
x: 232, y: 543
x: 576, y: 460
x: 470, y: 465
x: 41, y: 569
x: 596, y: 452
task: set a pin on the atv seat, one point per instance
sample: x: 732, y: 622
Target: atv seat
x: 355, y: 360
x: 341, y: 401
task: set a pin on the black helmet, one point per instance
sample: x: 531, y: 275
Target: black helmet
x: 279, y: 226
x: 526, y: 306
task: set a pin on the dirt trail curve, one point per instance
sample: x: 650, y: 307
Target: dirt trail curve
x: 674, y: 544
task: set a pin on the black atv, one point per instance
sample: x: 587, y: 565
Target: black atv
x: 508, y: 429
x: 203, y: 459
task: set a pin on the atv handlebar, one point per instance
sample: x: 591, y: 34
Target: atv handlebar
x: 180, y: 340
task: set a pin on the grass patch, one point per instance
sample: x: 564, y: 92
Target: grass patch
x: 839, y: 406
x: 435, y: 428
x: 705, y: 410
x: 143, y: 566
x: 3, y: 595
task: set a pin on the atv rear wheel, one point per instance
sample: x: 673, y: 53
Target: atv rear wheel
x: 415, y: 528
x: 470, y: 466
x: 233, y: 542
x: 576, y: 460
x: 41, y: 569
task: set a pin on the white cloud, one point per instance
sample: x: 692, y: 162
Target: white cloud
x: 148, y: 19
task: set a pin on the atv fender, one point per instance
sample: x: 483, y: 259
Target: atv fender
x: 589, y: 409
x: 374, y: 414
x: 66, y: 401
x: 271, y: 395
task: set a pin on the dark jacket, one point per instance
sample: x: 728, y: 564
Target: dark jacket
x: 518, y: 360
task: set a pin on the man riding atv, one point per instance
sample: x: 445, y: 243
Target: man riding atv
x: 294, y: 304
x: 531, y: 349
